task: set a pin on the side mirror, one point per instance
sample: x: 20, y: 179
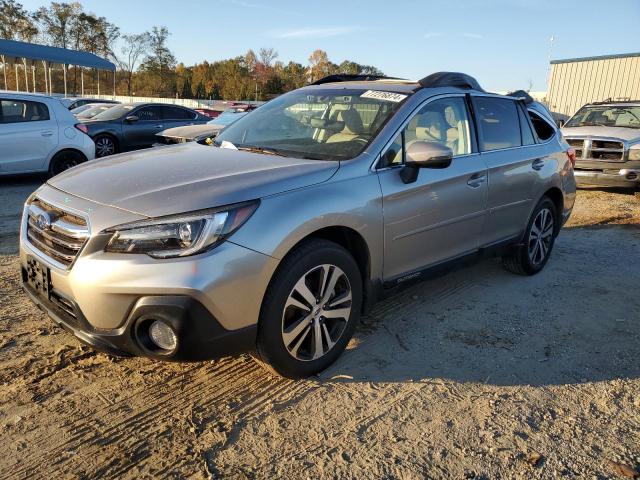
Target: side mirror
x: 132, y: 118
x: 424, y: 155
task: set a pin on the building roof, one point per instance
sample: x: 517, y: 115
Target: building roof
x: 602, y: 57
x: 32, y: 51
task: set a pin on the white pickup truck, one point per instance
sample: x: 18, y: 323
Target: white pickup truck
x: 606, y: 137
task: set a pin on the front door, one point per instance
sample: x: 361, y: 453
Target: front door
x: 440, y: 215
x: 142, y: 132
x: 28, y: 135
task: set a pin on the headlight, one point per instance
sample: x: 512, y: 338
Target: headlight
x: 634, y: 153
x: 179, y: 235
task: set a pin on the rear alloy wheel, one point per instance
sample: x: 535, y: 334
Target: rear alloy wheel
x: 64, y: 160
x: 532, y: 255
x: 310, y: 310
x: 105, y: 146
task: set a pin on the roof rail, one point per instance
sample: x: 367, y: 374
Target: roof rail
x: 521, y: 95
x: 450, y: 79
x: 346, y: 77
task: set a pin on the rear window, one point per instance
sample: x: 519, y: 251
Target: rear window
x: 541, y: 126
x: 18, y: 111
x: 498, y: 123
x: 177, y: 113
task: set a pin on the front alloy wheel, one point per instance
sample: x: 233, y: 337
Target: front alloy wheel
x: 310, y: 310
x: 316, y: 312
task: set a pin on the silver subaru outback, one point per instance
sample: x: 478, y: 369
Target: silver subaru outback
x: 277, y: 236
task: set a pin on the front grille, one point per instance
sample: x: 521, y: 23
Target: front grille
x: 58, y: 234
x: 598, y: 149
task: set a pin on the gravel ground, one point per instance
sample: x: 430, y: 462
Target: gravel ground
x: 477, y: 374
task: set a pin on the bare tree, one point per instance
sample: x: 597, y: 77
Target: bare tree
x: 135, y: 48
x: 17, y: 23
x: 267, y: 56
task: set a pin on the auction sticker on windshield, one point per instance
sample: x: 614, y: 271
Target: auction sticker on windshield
x: 387, y: 96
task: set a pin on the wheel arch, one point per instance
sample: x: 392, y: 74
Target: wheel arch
x: 64, y: 150
x: 352, y: 241
x: 556, y: 196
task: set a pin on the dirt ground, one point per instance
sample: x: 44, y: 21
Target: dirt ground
x: 471, y: 375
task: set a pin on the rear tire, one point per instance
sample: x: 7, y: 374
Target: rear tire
x: 64, y: 160
x: 105, y: 145
x: 533, y: 254
x: 310, y: 310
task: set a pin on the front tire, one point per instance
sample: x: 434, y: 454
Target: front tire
x: 310, y: 311
x: 533, y: 254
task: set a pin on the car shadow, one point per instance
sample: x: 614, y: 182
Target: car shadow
x: 574, y: 322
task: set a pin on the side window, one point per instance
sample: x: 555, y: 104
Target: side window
x: 498, y: 123
x: 18, y: 111
x: 443, y: 121
x: 177, y: 113
x: 525, y: 128
x: 148, y: 113
x: 541, y: 126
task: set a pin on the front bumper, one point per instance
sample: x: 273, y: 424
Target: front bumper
x: 607, y: 174
x: 216, y: 295
x: 200, y: 335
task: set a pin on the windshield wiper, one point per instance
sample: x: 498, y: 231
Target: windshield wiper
x: 267, y: 151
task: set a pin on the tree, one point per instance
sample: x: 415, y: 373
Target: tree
x: 17, y: 23
x: 134, y: 48
x: 319, y: 65
x: 267, y: 56
x: 58, y: 22
x: 159, y: 63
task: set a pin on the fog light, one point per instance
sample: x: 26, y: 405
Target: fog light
x: 162, y: 335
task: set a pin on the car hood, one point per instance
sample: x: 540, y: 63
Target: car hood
x: 190, y: 131
x: 188, y: 177
x: 627, y: 134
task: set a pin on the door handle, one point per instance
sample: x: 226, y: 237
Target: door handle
x: 476, y: 180
x: 47, y: 133
x: 537, y: 164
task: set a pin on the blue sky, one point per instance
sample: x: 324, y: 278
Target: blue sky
x: 503, y: 43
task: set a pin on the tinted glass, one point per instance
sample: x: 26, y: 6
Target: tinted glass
x: 177, y: 113
x: 542, y: 127
x: 525, y: 128
x: 17, y: 111
x: 498, y: 123
x: 148, y: 113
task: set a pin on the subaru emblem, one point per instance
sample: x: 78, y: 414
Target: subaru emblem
x: 43, y: 221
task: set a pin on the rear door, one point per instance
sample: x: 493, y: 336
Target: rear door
x: 28, y: 135
x: 141, y: 133
x: 173, y: 116
x: 440, y: 215
x: 513, y: 161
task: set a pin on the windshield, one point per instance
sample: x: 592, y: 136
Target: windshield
x: 93, y: 111
x: 114, y: 113
x: 318, y: 124
x: 607, y: 116
x: 227, y: 117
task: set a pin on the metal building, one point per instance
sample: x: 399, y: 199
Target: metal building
x: 576, y: 81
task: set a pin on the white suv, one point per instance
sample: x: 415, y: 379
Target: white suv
x: 38, y: 134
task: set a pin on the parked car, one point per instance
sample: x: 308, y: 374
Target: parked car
x: 188, y: 133
x: 232, y: 114
x: 93, y: 110
x: 131, y: 126
x: 37, y: 134
x: 276, y: 243
x: 74, y: 102
x: 606, y: 137
x: 191, y: 133
x: 208, y: 112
